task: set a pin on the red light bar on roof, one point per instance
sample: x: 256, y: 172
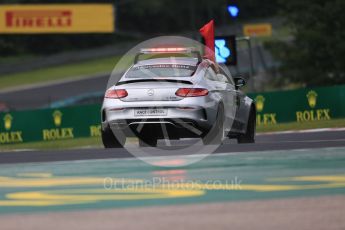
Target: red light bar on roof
x: 167, y: 50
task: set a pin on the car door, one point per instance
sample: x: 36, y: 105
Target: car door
x: 229, y: 97
x: 241, y: 112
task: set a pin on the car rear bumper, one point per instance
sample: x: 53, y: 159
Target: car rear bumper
x: 186, y: 116
x: 190, y: 115
x: 161, y: 128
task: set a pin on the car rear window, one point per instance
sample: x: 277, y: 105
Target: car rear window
x: 161, y: 70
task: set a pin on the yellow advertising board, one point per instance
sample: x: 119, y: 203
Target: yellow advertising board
x: 257, y: 30
x: 57, y: 18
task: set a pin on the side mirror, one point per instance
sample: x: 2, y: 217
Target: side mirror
x: 239, y: 82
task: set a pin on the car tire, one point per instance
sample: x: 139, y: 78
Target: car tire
x: 110, y: 141
x: 216, y: 135
x: 148, y: 142
x: 249, y: 136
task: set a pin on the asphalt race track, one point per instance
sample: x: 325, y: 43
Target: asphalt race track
x: 38, y: 96
x: 268, y: 142
x: 284, y: 181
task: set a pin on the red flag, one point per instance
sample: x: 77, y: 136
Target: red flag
x: 207, y: 32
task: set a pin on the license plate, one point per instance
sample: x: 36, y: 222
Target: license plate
x: 150, y: 112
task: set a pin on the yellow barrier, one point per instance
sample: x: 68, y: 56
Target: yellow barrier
x: 57, y: 18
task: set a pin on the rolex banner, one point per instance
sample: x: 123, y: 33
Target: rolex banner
x: 302, y: 105
x: 50, y: 124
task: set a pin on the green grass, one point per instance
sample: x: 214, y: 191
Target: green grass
x: 97, y: 143
x: 86, y: 68
x: 56, y: 145
x: 59, y: 72
x: 14, y: 59
x: 335, y: 123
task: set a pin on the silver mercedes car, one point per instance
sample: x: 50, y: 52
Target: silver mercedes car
x: 175, y: 94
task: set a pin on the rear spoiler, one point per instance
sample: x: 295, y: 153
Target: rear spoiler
x: 154, y: 80
x: 172, y: 50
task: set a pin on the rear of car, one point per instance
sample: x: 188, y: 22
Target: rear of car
x: 167, y: 98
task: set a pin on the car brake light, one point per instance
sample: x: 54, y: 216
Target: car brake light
x: 191, y: 92
x: 168, y: 50
x: 116, y: 93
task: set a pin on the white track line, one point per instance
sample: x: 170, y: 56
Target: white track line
x: 304, y: 131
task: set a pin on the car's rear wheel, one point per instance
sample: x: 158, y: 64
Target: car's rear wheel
x: 216, y: 134
x: 249, y: 136
x: 110, y: 141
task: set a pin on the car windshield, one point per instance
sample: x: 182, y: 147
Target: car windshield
x: 161, y: 70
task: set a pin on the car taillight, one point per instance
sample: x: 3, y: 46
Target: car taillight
x: 116, y: 93
x: 191, y: 92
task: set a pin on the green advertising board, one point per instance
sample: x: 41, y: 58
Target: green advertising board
x: 302, y: 105
x: 49, y: 124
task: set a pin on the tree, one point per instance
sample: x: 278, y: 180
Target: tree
x: 316, y: 56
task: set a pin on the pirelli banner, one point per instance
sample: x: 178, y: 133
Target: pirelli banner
x: 57, y: 18
x: 302, y: 105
